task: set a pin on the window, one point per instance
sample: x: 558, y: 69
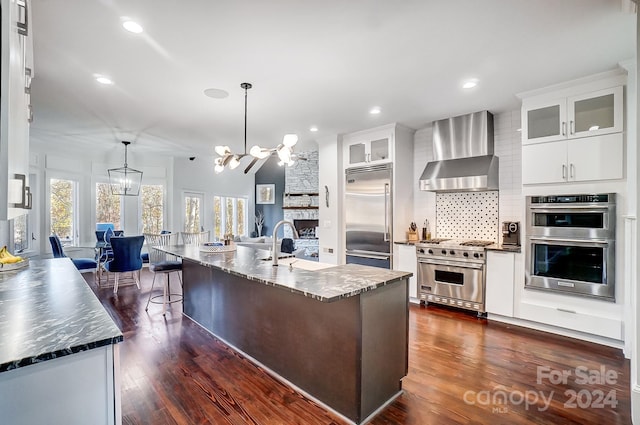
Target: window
x: 21, y: 232
x: 229, y: 216
x: 107, y: 205
x: 152, y: 209
x: 218, y: 231
x: 192, y: 204
x: 63, y: 209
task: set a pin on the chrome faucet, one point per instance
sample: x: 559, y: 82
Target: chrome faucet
x: 274, y: 255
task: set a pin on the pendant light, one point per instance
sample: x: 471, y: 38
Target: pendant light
x: 125, y: 181
x: 228, y: 158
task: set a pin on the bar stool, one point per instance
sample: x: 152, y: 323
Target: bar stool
x: 195, y: 238
x: 161, y: 262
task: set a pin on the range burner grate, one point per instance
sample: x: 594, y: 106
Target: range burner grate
x: 436, y: 240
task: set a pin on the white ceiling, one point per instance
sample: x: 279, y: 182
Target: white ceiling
x: 323, y: 63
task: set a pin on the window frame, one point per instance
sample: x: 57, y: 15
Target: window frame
x: 77, y: 181
x: 151, y: 182
x: 192, y: 194
x: 94, y: 201
x: 234, y: 221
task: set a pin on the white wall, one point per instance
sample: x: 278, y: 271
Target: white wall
x: 329, y: 234
x: 88, y: 167
x: 198, y: 176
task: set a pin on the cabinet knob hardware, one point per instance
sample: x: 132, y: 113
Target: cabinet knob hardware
x: 564, y: 172
x: 564, y: 128
x: 571, y: 128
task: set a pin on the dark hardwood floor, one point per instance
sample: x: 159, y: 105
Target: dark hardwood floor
x: 462, y: 370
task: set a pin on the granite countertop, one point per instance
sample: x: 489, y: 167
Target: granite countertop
x: 504, y: 248
x: 327, y: 285
x: 47, y: 310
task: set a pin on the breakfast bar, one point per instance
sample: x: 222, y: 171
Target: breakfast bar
x: 338, y: 334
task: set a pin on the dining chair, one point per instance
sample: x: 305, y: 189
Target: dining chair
x: 165, y: 264
x: 195, y: 238
x: 126, y: 258
x: 82, y: 264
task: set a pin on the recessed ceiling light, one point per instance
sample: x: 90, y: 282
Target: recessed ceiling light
x: 594, y: 128
x: 216, y: 93
x: 469, y: 84
x: 313, y: 129
x: 132, y: 26
x: 375, y: 110
x: 104, y: 80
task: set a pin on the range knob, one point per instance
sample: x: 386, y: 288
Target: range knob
x: 421, y: 251
x: 452, y: 252
x: 466, y: 254
x: 475, y: 254
x: 430, y: 251
x: 444, y: 252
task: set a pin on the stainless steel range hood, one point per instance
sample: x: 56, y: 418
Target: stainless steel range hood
x: 463, y: 153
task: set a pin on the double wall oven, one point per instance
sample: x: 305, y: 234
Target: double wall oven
x: 570, y: 244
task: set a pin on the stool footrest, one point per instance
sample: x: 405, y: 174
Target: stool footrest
x: 154, y: 299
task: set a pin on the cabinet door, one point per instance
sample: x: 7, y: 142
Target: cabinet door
x: 544, y: 163
x: 406, y: 261
x: 500, y: 283
x: 595, y: 158
x: 357, y: 153
x: 544, y: 122
x: 595, y: 113
x: 379, y: 150
x: 14, y: 131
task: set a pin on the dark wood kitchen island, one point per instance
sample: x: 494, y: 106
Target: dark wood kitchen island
x: 339, y: 334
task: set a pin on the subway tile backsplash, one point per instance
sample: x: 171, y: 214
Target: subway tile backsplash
x: 467, y: 215
x: 508, y: 147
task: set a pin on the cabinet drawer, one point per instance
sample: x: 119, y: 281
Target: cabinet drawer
x: 572, y: 319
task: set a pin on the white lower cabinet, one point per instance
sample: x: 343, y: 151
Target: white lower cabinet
x: 405, y: 260
x: 500, y: 281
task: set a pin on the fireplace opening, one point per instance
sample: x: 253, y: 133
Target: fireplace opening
x: 306, y: 228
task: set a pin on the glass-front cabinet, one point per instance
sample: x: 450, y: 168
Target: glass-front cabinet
x: 364, y: 152
x: 590, y: 114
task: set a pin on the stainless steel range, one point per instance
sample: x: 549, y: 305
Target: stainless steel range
x: 452, y: 272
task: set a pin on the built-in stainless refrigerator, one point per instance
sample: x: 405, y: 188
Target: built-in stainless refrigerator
x: 369, y: 215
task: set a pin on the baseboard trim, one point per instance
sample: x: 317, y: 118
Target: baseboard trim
x: 558, y: 331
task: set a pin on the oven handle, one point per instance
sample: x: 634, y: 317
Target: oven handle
x: 582, y: 242
x: 466, y: 265
x: 555, y: 208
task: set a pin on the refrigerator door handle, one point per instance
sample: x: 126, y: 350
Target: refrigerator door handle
x: 386, y: 212
x: 365, y: 254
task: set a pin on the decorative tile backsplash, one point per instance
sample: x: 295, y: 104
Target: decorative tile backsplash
x: 467, y: 215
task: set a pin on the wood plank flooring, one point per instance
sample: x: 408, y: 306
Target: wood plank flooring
x: 174, y: 372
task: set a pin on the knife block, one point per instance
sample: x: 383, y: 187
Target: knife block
x: 412, y: 236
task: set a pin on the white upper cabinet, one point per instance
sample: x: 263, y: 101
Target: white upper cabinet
x: 589, y: 114
x: 15, y: 109
x: 365, y: 149
x: 573, y: 132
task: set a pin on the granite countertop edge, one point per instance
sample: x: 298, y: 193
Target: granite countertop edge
x: 26, y: 361
x: 326, y: 285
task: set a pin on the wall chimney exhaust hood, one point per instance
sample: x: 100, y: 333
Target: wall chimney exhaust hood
x: 463, y: 153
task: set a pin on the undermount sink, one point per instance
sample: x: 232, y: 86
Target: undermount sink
x: 298, y: 263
